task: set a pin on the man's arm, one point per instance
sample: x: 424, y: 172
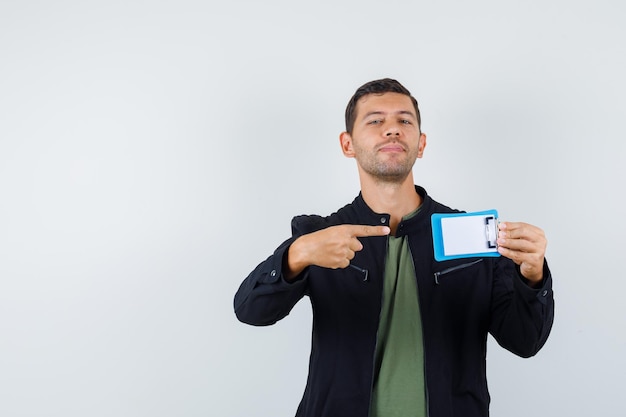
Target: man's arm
x: 270, y: 291
x: 333, y: 247
x: 522, y: 298
x: 264, y: 297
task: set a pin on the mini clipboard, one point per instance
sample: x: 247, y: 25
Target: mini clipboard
x: 465, y: 235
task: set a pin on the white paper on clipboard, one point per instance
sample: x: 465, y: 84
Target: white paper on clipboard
x: 463, y: 235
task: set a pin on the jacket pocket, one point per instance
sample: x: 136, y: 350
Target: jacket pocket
x: 455, y: 269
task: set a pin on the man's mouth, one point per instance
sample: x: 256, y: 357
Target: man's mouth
x: 392, y: 147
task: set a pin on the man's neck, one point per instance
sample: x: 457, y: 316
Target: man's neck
x: 395, y: 199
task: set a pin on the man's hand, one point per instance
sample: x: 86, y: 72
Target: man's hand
x: 332, y: 247
x: 526, y: 245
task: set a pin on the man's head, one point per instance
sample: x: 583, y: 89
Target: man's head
x: 385, y: 85
x: 384, y: 132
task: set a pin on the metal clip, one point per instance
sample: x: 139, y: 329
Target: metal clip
x: 491, y: 232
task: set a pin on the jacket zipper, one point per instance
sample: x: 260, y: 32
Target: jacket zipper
x: 365, y: 272
x: 455, y: 268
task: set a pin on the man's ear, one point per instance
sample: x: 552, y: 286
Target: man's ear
x: 345, y: 140
x: 421, y: 145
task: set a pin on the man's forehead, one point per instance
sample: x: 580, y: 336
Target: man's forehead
x: 385, y: 102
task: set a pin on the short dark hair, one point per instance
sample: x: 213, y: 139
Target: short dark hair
x: 385, y: 85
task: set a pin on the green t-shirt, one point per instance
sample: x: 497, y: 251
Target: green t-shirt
x: 399, y: 388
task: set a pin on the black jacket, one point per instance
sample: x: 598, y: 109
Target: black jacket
x: 459, y: 306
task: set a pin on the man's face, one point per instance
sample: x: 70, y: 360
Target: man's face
x: 385, y: 139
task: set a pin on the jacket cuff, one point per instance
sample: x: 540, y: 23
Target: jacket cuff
x: 542, y: 292
x: 272, y: 272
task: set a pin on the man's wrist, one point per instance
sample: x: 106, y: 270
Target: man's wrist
x: 293, y: 264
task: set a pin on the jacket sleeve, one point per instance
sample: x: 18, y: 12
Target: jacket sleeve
x: 265, y: 297
x: 521, y: 316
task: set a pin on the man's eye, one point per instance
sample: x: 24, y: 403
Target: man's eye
x: 374, y: 122
x: 406, y: 122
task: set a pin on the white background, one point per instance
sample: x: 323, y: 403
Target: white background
x: 152, y: 153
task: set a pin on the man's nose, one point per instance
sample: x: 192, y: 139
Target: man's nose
x: 392, y: 131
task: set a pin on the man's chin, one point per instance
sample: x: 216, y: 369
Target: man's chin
x: 391, y: 177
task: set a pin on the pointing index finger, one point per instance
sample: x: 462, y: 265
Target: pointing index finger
x: 359, y: 230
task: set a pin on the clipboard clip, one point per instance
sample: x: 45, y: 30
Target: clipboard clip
x: 491, y: 231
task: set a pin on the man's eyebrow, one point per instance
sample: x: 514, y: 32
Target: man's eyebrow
x: 410, y: 113
x: 379, y: 113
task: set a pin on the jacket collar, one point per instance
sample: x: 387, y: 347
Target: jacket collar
x: 370, y: 217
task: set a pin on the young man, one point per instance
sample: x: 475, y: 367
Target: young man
x: 388, y: 338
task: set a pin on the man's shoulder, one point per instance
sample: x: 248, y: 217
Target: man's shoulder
x: 433, y: 205
x: 308, y: 223
x: 437, y: 207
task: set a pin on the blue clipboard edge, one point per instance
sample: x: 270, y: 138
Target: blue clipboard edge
x: 435, y: 220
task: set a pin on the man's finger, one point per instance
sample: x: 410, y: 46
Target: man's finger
x: 517, y: 230
x: 358, y: 230
x: 355, y: 245
x: 521, y: 245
